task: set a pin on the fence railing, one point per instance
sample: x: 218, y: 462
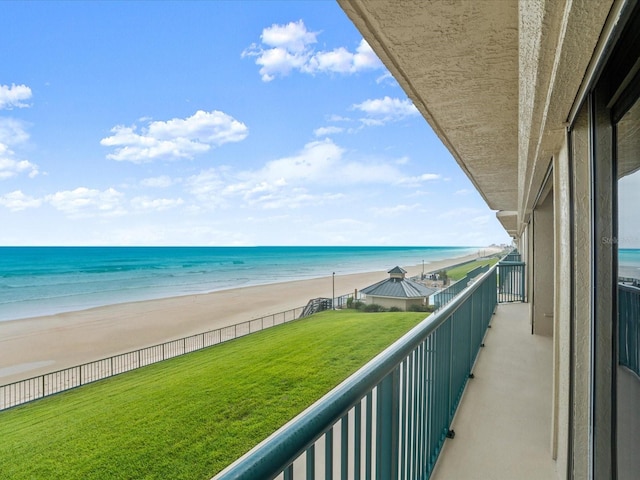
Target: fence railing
x: 511, y: 277
x: 24, y: 391
x: 514, y: 256
x: 390, y: 419
x: 445, y: 295
x: 629, y: 327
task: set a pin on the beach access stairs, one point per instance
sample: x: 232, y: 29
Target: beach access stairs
x: 316, y: 305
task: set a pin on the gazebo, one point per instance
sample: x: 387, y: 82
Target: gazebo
x: 398, y: 291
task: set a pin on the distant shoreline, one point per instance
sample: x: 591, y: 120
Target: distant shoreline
x: 43, y: 281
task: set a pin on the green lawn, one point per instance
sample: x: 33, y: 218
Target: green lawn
x: 457, y: 273
x: 191, y: 416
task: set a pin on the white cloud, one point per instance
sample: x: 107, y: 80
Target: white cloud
x: 84, y: 201
x: 293, y: 37
x: 163, y: 181
x: 174, y: 139
x: 10, y: 167
x: 290, y: 47
x: 384, y: 110
x: 418, y: 180
x: 395, y: 210
x: 155, y: 204
x: 324, y: 131
x: 12, y: 96
x: 464, y: 191
x: 387, y: 78
x: 16, y: 201
x: 13, y: 132
x: 291, y: 181
x: 207, y: 186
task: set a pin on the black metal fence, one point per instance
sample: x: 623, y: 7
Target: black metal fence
x: 24, y: 391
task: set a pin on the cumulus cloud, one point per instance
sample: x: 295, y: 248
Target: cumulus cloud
x: 379, y: 111
x: 13, y: 96
x: 324, y: 131
x: 289, y: 47
x: 17, y: 201
x: 10, y: 167
x: 13, y: 132
x: 84, y: 201
x: 174, y: 139
x: 290, y: 181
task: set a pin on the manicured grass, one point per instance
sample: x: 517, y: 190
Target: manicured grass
x: 191, y: 416
x: 457, y: 273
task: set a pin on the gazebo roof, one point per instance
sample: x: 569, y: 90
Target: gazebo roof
x: 397, y: 287
x: 397, y: 270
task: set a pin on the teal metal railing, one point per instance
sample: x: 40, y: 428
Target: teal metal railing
x: 445, y: 295
x: 513, y: 256
x: 511, y: 281
x: 390, y: 419
x: 629, y: 327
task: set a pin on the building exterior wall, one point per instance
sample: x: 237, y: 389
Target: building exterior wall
x: 581, y: 299
x: 542, y: 267
x: 561, y: 398
x: 388, y: 302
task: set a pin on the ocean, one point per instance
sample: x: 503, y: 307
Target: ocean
x: 629, y: 263
x: 47, y: 280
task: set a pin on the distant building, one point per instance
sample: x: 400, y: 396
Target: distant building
x: 398, y: 291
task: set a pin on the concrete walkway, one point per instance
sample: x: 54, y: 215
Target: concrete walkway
x: 503, y: 424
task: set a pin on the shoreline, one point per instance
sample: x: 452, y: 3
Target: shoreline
x: 32, y: 346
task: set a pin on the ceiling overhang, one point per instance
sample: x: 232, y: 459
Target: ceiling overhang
x: 458, y: 62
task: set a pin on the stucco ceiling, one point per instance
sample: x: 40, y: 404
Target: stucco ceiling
x: 458, y: 62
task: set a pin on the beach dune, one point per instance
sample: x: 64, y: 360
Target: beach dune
x: 33, y: 346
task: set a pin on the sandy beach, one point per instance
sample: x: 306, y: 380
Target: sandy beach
x: 33, y: 346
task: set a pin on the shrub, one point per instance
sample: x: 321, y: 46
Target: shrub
x: 418, y: 308
x: 358, y: 305
x: 373, y: 307
x: 395, y: 309
x: 350, y: 302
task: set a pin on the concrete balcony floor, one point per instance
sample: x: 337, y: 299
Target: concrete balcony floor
x: 503, y: 423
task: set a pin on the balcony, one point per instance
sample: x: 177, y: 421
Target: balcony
x: 397, y: 417
x: 503, y: 423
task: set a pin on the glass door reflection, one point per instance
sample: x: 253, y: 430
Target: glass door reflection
x: 628, y: 242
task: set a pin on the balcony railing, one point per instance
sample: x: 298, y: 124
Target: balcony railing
x: 511, y: 276
x: 629, y: 327
x: 390, y: 419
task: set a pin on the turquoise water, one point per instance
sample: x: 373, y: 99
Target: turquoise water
x: 46, y: 280
x: 629, y: 262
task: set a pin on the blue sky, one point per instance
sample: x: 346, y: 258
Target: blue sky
x: 216, y: 123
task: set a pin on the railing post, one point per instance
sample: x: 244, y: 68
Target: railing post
x: 387, y: 427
